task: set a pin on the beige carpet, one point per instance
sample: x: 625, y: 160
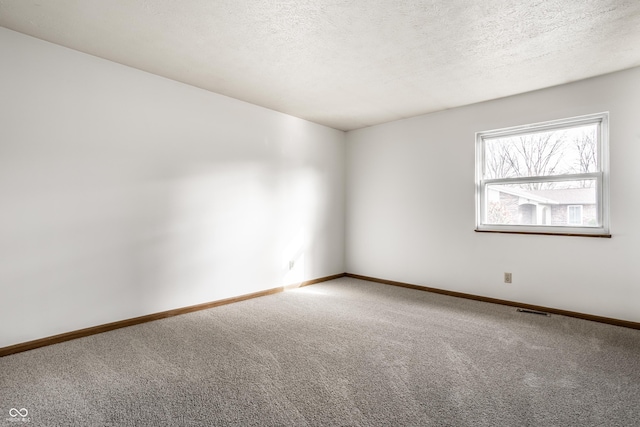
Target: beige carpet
x: 345, y: 352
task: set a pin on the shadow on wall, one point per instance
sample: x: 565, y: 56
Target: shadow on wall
x: 225, y: 230
x: 85, y: 252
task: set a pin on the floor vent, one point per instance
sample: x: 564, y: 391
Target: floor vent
x: 525, y: 310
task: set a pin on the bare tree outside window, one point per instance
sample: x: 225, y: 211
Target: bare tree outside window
x: 548, y: 153
x: 585, y: 145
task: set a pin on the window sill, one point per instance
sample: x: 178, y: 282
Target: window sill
x: 544, y: 233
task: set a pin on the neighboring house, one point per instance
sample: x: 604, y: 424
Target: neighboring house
x: 561, y: 207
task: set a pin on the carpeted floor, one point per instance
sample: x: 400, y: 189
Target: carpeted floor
x: 345, y: 352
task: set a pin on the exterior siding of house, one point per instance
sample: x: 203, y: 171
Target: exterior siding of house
x: 504, y: 210
x: 509, y: 209
x: 559, y: 214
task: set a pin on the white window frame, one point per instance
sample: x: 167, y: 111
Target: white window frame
x: 601, y: 176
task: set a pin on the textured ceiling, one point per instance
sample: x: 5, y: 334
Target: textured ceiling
x: 348, y: 64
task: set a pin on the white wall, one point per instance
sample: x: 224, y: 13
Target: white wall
x: 410, y: 205
x: 124, y: 194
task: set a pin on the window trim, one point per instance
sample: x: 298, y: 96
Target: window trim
x: 601, y: 177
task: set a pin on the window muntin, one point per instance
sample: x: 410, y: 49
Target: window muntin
x: 527, y: 177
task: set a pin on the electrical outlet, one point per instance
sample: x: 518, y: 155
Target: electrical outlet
x: 507, y: 277
x: 292, y: 263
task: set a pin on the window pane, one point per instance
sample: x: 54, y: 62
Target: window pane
x: 559, y: 203
x: 556, y: 152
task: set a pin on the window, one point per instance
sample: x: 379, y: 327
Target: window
x: 549, y: 178
x: 574, y: 214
